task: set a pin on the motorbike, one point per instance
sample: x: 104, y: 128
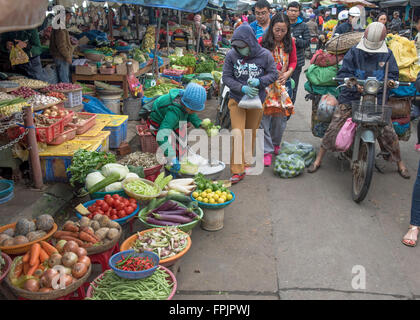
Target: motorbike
x: 313, y: 47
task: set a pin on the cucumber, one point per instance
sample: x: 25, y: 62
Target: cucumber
x: 112, y: 178
x: 179, y: 197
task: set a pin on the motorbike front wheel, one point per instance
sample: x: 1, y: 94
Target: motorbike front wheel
x: 363, y: 171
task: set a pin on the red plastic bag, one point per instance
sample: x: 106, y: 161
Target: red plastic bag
x: 324, y: 59
x: 345, y: 137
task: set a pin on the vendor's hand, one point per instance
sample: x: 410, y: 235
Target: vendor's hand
x: 359, y: 88
x: 250, y: 91
x: 9, y: 45
x: 391, y: 84
x: 21, y: 44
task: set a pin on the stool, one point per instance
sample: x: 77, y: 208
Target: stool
x: 103, y: 258
x: 81, y: 294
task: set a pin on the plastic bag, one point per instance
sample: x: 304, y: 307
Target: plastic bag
x: 305, y: 150
x: 325, y: 59
x: 326, y: 108
x: 288, y: 165
x: 95, y: 106
x: 278, y: 102
x: 250, y: 103
x: 18, y: 56
x: 346, y: 136
x: 321, y: 76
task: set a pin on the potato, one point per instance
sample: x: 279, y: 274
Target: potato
x: 10, y: 232
x: 20, y: 240
x: 97, y: 217
x: 95, y: 225
x: 113, y: 234
x: 3, y: 238
x: 104, y: 221
x: 34, y: 235
x: 102, y: 233
x: 84, y: 222
x: 8, y: 242
x: 114, y: 225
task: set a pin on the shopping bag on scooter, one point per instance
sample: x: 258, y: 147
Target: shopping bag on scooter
x: 345, y: 137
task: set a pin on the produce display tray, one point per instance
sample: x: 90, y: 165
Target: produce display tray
x: 91, y: 120
x: 68, y: 135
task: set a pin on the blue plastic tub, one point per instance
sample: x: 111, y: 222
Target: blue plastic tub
x: 118, y: 134
x: 121, y: 221
x: 134, y: 274
x: 215, y: 206
x: 6, y: 188
x: 7, y: 198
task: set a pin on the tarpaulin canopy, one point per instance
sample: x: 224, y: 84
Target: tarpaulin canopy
x: 183, y: 5
x: 415, y: 3
x: 228, y: 4
x: 22, y: 14
x: 393, y: 3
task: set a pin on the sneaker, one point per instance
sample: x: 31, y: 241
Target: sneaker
x: 268, y: 158
x: 417, y: 147
x: 277, y: 150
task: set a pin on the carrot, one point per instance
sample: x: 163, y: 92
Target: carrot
x: 35, y: 250
x: 87, y: 245
x: 87, y: 237
x: 33, y: 268
x: 43, y: 255
x: 26, y: 256
x: 49, y: 249
x: 18, y: 270
x: 26, y: 267
x: 91, y: 232
x: 59, y: 234
x: 68, y: 238
x: 70, y: 226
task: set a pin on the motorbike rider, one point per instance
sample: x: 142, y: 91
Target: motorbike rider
x: 367, y: 59
x: 312, y: 26
x: 349, y: 25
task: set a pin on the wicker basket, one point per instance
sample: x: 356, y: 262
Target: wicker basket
x: 106, y: 246
x: 55, y: 294
x: 342, y: 43
x: 138, y: 196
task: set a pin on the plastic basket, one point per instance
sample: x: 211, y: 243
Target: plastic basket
x: 118, y: 133
x: 134, y: 274
x: 101, y: 195
x: 215, y: 206
x: 66, y: 119
x: 121, y: 221
x: 152, y: 173
x: 90, y: 122
x: 148, y: 141
x: 48, y: 134
x: 74, y: 98
x: 371, y: 114
x: 6, y: 187
x: 68, y: 134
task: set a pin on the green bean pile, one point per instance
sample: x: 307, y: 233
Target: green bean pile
x: 112, y: 287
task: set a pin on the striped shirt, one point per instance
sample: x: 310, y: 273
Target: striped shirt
x: 259, y: 31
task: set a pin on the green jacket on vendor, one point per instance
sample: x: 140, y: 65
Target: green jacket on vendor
x: 33, y: 49
x: 168, y: 111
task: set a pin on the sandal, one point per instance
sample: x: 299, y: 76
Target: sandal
x: 313, y: 168
x: 407, y: 243
x: 237, y: 177
x: 404, y: 173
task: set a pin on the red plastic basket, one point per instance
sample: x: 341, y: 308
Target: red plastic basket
x: 152, y: 173
x: 90, y: 122
x: 67, y: 119
x: 147, y: 139
x: 68, y: 134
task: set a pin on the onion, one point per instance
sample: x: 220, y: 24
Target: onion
x: 60, y: 245
x: 81, y: 252
x: 54, y: 260
x: 66, y: 279
x: 61, y: 114
x: 45, y: 289
x: 85, y: 260
x: 54, y: 108
x: 54, y: 114
x: 71, y: 246
x: 48, y: 277
x: 69, y: 259
x: 79, y: 270
x: 32, y: 285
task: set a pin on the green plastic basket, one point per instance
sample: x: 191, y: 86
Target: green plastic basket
x: 184, y: 227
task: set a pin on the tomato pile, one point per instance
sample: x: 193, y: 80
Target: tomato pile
x: 115, y: 207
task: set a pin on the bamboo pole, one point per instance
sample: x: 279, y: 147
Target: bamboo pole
x: 33, y: 148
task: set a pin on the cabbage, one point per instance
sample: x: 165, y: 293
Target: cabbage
x: 110, y: 168
x: 93, y: 178
x: 117, y: 186
x: 132, y: 175
x: 206, y: 123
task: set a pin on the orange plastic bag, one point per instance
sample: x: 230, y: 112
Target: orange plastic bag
x: 18, y: 56
x: 278, y: 102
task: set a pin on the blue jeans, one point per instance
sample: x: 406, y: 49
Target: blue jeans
x: 33, y: 69
x: 415, y: 202
x: 63, y: 70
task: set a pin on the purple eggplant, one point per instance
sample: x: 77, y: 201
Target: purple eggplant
x: 161, y: 222
x: 192, y: 215
x: 173, y: 218
x: 168, y: 205
x: 178, y: 212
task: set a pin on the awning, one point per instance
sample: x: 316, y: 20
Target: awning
x: 393, y: 3
x: 228, y: 4
x: 22, y: 14
x: 183, y: 5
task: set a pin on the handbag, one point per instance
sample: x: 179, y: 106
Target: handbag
x: 18, y: 56
x: 345, y: 137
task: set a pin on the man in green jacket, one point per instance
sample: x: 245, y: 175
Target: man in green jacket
x: 29, y: 41
x: 171, y: 109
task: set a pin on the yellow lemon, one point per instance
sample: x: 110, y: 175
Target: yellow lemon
x: 205, y: 200
x: 200, y: 199
x: 195, y: 195
x: 208, y: 190
x: 229, y: 197
x: 204, y: 194
x: 218, y: 192
x: 212, y: 201
x: 223, y: 197
x: 224, y: 193
x: 216, y: 197
x: 221, y: 200
x: 212, y: 194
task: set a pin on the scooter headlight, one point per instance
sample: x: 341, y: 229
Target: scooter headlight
x: 372, y: 87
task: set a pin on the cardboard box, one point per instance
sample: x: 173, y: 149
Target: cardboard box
x: 122, y: 68
x: 87, y: 70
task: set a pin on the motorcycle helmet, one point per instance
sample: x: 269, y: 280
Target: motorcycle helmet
x: 343, y: 15
x: 354, y: 12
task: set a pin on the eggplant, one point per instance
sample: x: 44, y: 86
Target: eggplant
x: 173, y: 218
x: 161, y: 222
x: 192, y: 215
x: 178, y: 212
x: 168, y: 205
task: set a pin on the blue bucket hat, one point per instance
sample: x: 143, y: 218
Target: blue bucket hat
x: 194, y: 97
